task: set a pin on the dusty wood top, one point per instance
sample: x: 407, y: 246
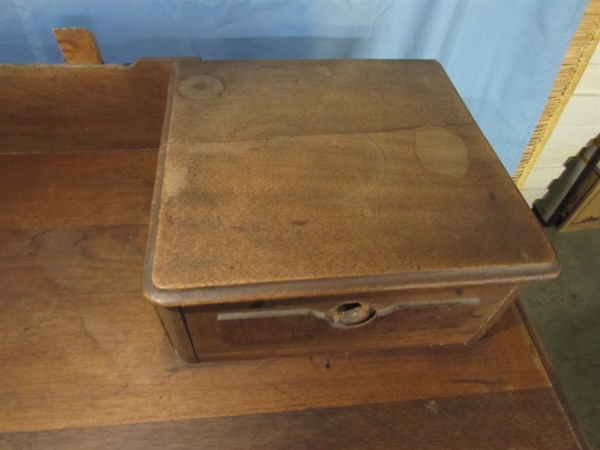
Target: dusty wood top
x: 287, y: 178
x: 67, y: 107
x: 86, y: 365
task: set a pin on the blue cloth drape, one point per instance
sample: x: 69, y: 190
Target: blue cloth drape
x: 501, y: 55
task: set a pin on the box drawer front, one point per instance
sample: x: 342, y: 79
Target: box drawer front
x: 358, y: 322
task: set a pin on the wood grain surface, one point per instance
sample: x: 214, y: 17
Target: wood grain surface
x: 356, y: 175
x: 85, y: 363
x: 415, y: 318
x: 462, y: 423
x: 68, y: 108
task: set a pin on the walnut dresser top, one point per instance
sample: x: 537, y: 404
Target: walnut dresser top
x: 288, y: 178
x: 86, y: 365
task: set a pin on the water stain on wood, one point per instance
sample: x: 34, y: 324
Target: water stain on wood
x: 442, y: 152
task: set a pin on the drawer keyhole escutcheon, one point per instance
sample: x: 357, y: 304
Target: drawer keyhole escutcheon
x: 351, y: 314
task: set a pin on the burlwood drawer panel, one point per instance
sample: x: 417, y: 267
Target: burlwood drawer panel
x: 404, y: 318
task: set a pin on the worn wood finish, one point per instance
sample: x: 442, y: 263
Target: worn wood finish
x: 70, y: 199
x: 355, y: 176
x: 360, y: 177
x: 85, y: 364
x: 69, y: 108
x: 173, y: 322
x: 409, y: 318
x: 448, y: 423
x: 78, y: 46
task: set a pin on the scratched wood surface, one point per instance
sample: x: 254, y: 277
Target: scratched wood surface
x: 68, y: 108
x: 462, y: 423
x: 355, y: 175
x: 85, y: 364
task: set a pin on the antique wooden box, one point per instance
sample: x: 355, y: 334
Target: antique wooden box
x: 309, y: 206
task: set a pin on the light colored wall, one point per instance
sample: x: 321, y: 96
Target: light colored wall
x: 579, y: 122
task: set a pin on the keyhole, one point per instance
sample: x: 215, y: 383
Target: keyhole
x: 352, y: 313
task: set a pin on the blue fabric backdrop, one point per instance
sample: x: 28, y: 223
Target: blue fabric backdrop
x: 501, y: 55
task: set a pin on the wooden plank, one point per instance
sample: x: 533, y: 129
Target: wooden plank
x: 87, y: 328
x: 81, y: 348
x: 509, y: 420
x: 78, y: 46
x: 71, y: 108
x: 53, y: 191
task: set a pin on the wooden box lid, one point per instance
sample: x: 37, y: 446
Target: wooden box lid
x: 297, y: 178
